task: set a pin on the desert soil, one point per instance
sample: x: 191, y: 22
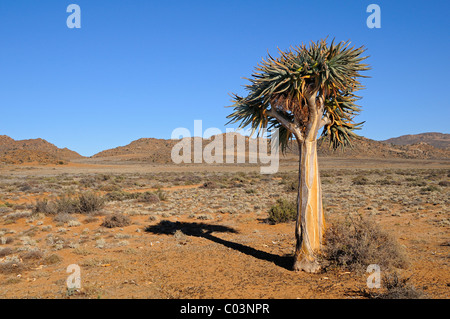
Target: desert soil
x: 214, y: 241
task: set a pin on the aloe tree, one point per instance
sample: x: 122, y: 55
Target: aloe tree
x: 300, y: 92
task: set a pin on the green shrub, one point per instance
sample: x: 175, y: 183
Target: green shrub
x: 283, y: 211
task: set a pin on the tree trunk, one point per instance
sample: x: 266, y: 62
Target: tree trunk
x: 310, y: 218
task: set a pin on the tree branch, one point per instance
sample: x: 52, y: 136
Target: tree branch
x: 324, y: 121
x: 283, y: 120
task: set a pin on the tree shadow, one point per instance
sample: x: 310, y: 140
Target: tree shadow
x: 205, y: 231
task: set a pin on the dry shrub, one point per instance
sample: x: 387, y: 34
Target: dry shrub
x: 145, y: 197
x: 45, y: 207
x: 89, y: 202
x: 148, y: 197
x: 12, y: 267
x: 32, y: 255
x: 116, y: 220
x: 5, y: 252
x: 387, y: 181
x: 162, y: 195
x: 444, y: 183
x: 65, y: 205
x: 209, y: 185
x: 120, y: 196
x: 6, y: 240
x: 85, y: 203
x: 110, y: 188
x: 360, y: 180
x: 292, y: 186
x: 11, y: 264
x: 358, y: 242
x: 52, y: 259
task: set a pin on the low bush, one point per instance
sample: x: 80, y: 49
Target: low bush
x: 209, y: 185
x: 292, y: 186
x: 5, y: 252
x: 417, y: 182
x: 45, y: 207
x: 283, y: 211
x: 148, y: 197
x: 52, y: 260
x: 12, y: 267
x: 430, y: 188
x: 32, y: 255
x: 358, y: 242
x: 87, y: 202
x: 65, y: 205
x: 162, y: 195
x: 444, y: 183
x: 360, y: 180
x: 120, y: 196
x: 116, y: 220
x: 387, y: 181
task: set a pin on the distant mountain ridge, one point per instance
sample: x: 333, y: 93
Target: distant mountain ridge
x: 159, y: 150
x: 153, y: 150
x: 439, y: 140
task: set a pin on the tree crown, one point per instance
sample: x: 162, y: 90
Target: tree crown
x: 302, y: 85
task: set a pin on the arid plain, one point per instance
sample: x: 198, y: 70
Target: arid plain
x: 152, y: 229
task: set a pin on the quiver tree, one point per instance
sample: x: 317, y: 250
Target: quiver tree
x: 300, y: 92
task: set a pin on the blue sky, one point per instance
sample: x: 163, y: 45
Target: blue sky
x: 142, y: 68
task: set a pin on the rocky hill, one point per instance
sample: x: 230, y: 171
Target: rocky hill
x: 144, y: 149
x: 367, y: 148
x: 33, y: 151
x: 159, y: 150
x: 439, y: 140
